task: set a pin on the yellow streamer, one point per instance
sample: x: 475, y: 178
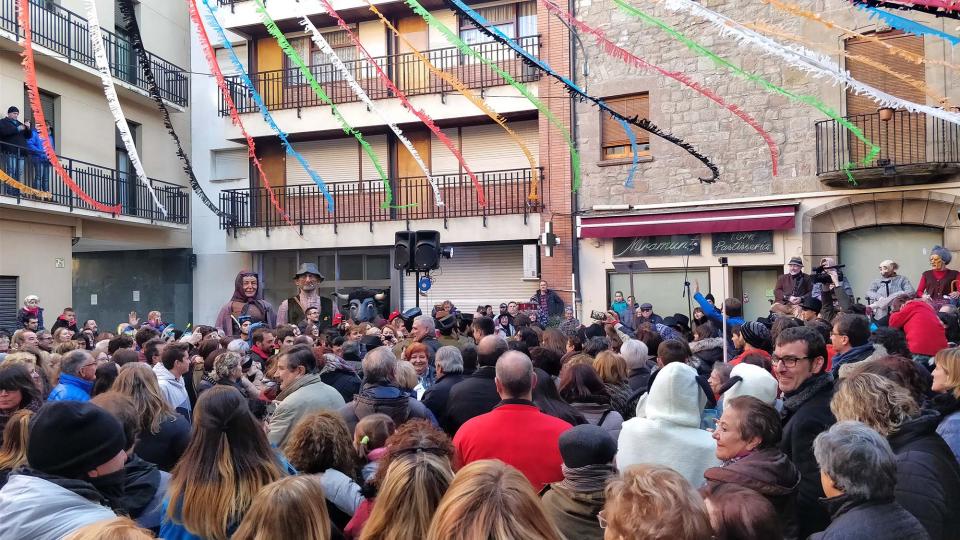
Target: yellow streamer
x: 919, y: 85
x: 473, y: 98
x: 816, y: 17
x: 27, y: 190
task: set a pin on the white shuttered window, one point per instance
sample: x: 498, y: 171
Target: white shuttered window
x: 335, y: 160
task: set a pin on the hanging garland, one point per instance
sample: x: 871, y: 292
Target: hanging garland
x: 453, y: 38
x: 902, y: 23
x: 800, y: 98
x: 484, y: 26
x: 113, y: 101
x: 473, y: 98
x: 338, y: 64
x: 264, y: 111
x: 426, y: 119
x: 625, y: 56
x: 30, y: 80
x: 294, y: 57
x: 27, y: 190
x: 931, y: 7
x: 211, y: 58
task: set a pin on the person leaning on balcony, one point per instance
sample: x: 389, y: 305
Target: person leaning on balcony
x: 14, y: 135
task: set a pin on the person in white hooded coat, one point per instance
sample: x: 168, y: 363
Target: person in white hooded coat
x: 669, y: 434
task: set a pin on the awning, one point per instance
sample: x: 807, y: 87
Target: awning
x: 766, y: 218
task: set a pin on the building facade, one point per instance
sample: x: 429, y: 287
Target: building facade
x: 60, y: 248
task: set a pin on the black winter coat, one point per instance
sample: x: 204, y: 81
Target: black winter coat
x: 928, y: 477
x: 15, y: 133
x: 473, y: 396
x: 639, y: 378
x: 800, y: 427
x: 438, y: 395
x: 869, y: 520
x: 343, y: 381
x: 165, y: 447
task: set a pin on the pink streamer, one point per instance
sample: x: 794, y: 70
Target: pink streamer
x: 952, y: 5
x: 626, y: 56
x: 427, y: 121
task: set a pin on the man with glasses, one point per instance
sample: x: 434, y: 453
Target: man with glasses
x: 799, y: 363
x: 850, y: 338
x: 645, y: 314
x: 78, y: 369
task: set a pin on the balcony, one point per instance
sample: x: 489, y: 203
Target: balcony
x: 66, y: 34
x: 108, y: 186
x: 913, y: 149
x: 288, y: 88
x: 506, y: 192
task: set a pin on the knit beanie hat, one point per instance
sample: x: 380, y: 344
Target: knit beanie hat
x: 756, y: 334
x: 587, y: 444
x: 72, y: 438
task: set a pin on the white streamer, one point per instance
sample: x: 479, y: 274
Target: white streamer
x: 359, y: 91
x: 806, y: 60
x: 113, y: 102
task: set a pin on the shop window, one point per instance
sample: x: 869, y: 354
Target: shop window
x: 615, y: 143
x: 351, y: 268
x: 861, y: 250
x: 663, y: 289
x: 378, y: 267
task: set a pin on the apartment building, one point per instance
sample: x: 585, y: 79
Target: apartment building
x: 61, y: 248
x: 496, y: 257
x: 645, y: 240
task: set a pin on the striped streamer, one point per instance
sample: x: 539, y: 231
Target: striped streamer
x: 473, y: 98
x: 113, y: 102
x: 325, y: 47
x: 902, y: 23
x: 767, y: 85
x: 626, y: 56
x: 482, y: 24
x: 932, y: 7
x: 30, y: 80
x: 427, y: 121
x: 211, y: 58
x: 453, y: 38
x: 294, y: 57
x: 267, y: 117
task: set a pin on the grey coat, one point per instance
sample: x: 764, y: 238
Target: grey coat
x: 305, y: 395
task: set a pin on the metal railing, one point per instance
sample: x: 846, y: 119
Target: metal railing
x: 105, y: 185
x: 67, y: 34
x: 906, y: 138
x: 506, y: 192
x: 289, y: 89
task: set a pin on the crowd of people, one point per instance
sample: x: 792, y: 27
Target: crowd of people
x: 825, y: 420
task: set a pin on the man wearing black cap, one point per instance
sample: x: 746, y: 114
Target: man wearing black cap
x: 14, y: 135
x: 75, y: 474
x: 293, y: 310
x: 645, y: 314
x: 810, y: 308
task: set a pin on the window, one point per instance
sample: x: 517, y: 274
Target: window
x: 515, y: 20
x: 126, y: 175
x: 48, y: 102
x: 614, y: 141
x: 229, y: 165
x: 659, y: 287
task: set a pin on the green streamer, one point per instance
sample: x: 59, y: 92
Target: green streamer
x: 809, y: 100
x: 469, y: 51
x: 294, y: 57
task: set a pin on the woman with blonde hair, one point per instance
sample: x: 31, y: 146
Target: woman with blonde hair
x: 62, y: 335
x: 119, y: 528
x: 13, y: 452
x: 226, y: 463
x: 36, y: 363
x: 928, y: 476
x: 287, y: 509
x: 164, y: 433
x: 612, y: 369
x: 490, y: 499
x: 653, y: 502
x: 413, y: 486
x: 946, y: 383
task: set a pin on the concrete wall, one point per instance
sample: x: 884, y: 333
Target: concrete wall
x: 39, y: 255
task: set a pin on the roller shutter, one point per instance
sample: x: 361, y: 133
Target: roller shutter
x: 335, y: 160
x: 8, y: 303
x: 226, y: 64
x: 231, y: 164
x: 489, y: 148
x: 442, y: 160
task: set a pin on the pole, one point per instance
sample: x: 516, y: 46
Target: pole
x: 723, y: 312
x: 416, y: 286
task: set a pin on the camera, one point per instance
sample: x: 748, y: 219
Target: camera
x: 598, y: 315
x: 821, y: 276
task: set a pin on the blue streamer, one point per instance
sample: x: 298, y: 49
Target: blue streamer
x: 902, y: 23
x: 267, y: 117
x: 633, y: 147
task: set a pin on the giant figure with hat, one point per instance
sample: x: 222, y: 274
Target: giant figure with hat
x: 293, y: 310
x: 247, y: 300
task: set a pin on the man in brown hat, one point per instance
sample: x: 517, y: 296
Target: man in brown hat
x: 791, y: 288
x: 292, y: 310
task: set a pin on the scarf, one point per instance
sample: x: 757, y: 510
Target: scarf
x: 309, y: 378
x: 809, y: 388
x: 587, y: 479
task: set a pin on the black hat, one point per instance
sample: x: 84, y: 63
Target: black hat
x: 811, y: 303
x: 756, y: 334
x: 12, y: 108
x: 371, y: 342
x: 447, y: 322
x: 682, y: 320
x: 351, y: 351
x: 72, y: 438
x: 587, y: 444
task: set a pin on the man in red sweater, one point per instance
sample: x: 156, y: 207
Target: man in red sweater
x: 515, y: 431
x: 925, y: 332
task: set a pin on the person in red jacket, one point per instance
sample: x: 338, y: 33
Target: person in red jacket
x: 919, y: 321
x: 515, y: 431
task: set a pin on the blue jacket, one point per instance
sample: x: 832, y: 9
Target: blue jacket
x: 714, y: 314
x: 35, y: 146
x: 71, y: 389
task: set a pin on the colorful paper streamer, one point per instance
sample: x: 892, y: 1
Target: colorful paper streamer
x: 33, y: 92
x: 338, y: 64
x: 931, y: 7
x: 482, y: 24
x: 902, y: 23
x: 756, y: 79
x: 113, y: 101
x: 294, y: 57
x: 423, y: 116
x: 453, y: 38
x: 805, y: 60
x: 25, y: 189
x: 473, y: 98
x: 211, y: 56
x: 264, y: 111
x: 626, y: 56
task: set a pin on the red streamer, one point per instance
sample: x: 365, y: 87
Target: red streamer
x: 211, y: 57
x: 626, y: 56
x: 30, y: 79
x: 427, y: 121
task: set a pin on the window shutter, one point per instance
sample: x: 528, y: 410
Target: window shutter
x: 857, y: 104
x: 629, y: 106
x: 231, y: 164
x: 8, y: 303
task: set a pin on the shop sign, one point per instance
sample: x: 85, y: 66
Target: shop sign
x: 743, y: 242
x: 657, y: 246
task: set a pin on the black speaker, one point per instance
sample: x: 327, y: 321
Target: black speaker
x: 403, y: 246
x: 427, y: 254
